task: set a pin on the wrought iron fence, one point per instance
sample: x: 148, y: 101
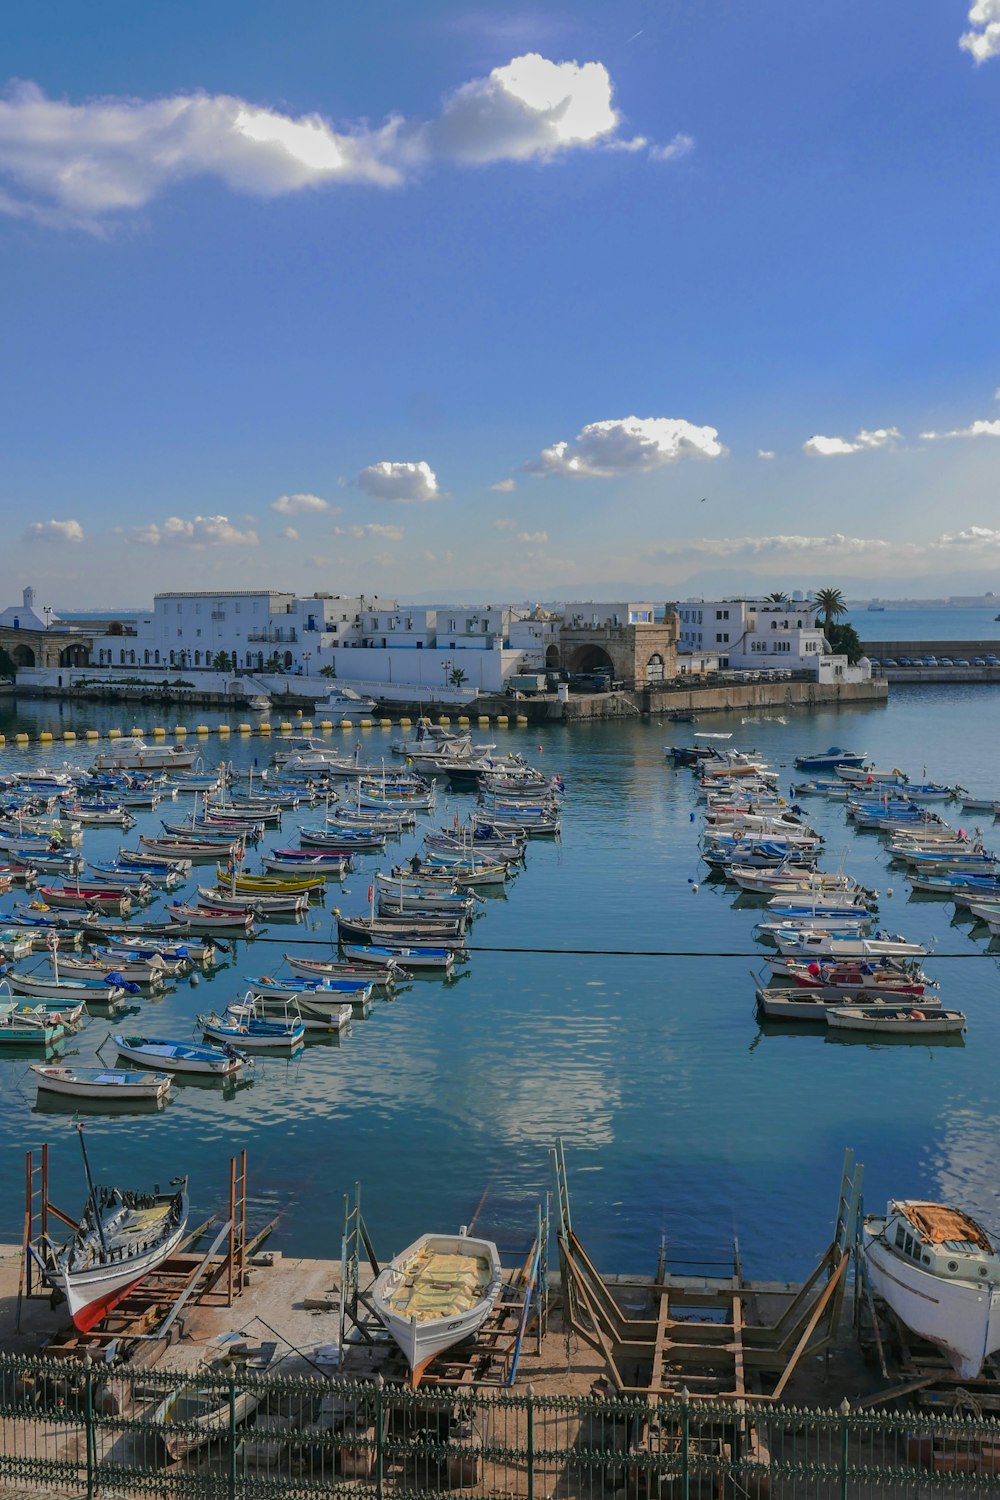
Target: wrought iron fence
x: 75, y: 1429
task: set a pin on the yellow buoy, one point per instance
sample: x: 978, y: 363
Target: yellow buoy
x: 201, y: 729
x: 385, y: 723
x: 243, y: 728
x: 20, y: 739
x: 346, y: 724
x: 225, y: 728
x: 263, y: 729
x: 484, y: 718
x: 285, y: 727
x: 136, y: 733
x: 405, y: 723
x: 46, y: 736
x: 444, y: 719
x: 69, y: 734
x: 159, y: 732
x: 501, y: 718
x: 522, y: 718
x: 306, y: 723
x: 114, y: 734
x: 463, y: 719
x: 366, y: 723
x: 91, y: 734
x: 180, y: 729
x: 326, y: 725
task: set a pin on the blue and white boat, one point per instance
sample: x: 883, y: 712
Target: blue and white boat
x: 180, y: 1057
x: 830, y: 760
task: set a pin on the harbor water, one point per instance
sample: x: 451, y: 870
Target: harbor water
x: 609, y: 998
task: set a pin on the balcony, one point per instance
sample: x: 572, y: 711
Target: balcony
x: 277, y: 636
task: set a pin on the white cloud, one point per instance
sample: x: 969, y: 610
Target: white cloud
x: 681, y: 145
x: 406, y: 483
x: 54, y: 531
x: 532, y: 536
x: 754, y: 546
x: 975, y: 429
x: 202, y: 531
x: 828, y: 447
x: 504, y: 486
x: 64, y: 163
x: 299, y: 505
x: 504, y: 523
x: 982, y: 41
x: 388, y: 533
x: 439, y: 557
x: 972, y: 536
x: 290, y: 534
x: 765, y: 452
x: 627, y: 445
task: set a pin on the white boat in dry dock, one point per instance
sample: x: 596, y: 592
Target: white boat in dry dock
x: 436, y: 1292
x: 940, y: 1273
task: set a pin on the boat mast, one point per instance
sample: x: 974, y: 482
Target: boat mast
x: 93, y: 1193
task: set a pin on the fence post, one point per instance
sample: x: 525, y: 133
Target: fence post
x: 379, y: 1448
x: 685, y: 1443
x: 530, y: 1410
x: 845, y: 1439
x: 88, y: 1417
x: 232, y: 1437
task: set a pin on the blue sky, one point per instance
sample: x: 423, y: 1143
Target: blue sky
x: 522, y: 302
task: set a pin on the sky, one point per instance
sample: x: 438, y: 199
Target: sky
x: 670, y: 296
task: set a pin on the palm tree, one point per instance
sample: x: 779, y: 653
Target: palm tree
x: 831, y: 602
x: 457, y: 676
x: 778, y: 598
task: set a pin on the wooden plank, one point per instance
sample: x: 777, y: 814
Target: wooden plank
x: 824, y: 1298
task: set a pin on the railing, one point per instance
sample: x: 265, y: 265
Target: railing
x: 87, y: 1428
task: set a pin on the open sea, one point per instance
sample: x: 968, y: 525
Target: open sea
x: 974, y: 623
x: 682, y: 1117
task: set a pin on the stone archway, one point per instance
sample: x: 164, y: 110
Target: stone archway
x: 73, y: 656
x: 654, y: 668
x: 552, y: 657
x: 591, y: 658
x: 22, y: 656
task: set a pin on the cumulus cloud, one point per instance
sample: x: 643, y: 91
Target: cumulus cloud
x: 290, y: 534
x: 627, y: 445
x: 975, y: 429
x: 504, y: 523
x: 504, y: 486
x: 299, y: 505
x: 406, y: 483
x: 388, y: 533
x: 54, y: 531
x: 756, y: 546
x: 982, y: 40
x: 532, y: 536
x: 78, y: 163
x: 765, y: 452
x: 202, y: 531
x: 828, y: 447
x: 972, y: 536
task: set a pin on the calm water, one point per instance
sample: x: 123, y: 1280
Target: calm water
x: 972, y: 624
x: 680, y: 1116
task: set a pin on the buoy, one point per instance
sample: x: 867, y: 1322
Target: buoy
x: 298, y: 713
x: 136, y: 733
x: 346, y: 724
x: 45, y: 737
x: 243, y: 728
x: 159, y: 732
x: 463, y: 719
x: 91, y: 734
x: 695, y: 887
x: 366, y: 723
x: 306, y: 723
x: 405, y: 723
x: 284, y: 727
x: 114, y: 734
x: 502, y: 719
x: 180, y: 729
x: 21, y: 739
x: 522, y: 718
x: 326, y: 725
x: 385, y: 723
x: 201, y: 729
x: 444, y: 719
x: 225, y: 729
x: 888, y: 890
x: 69, y: 734
x: 263, y: 728
x: 484, y: 718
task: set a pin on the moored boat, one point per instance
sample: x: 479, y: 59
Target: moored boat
x: 179, y: 1057
x: 111, y: 1085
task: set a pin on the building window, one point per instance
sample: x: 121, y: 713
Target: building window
x: 197, y: 658
x: 452, y: 625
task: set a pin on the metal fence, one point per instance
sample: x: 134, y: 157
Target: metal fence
x: 73, y: 1429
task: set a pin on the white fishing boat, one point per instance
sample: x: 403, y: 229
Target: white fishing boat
x: 344, y: 703
x: 799, y: 942
x: 437, y: 1292
x: 400, y: 957
x: 180, y: 1057
x: 121, y: 1237
x: 940, y: 1273
x: 896, y: 1020
x: 134, y: 754
x: 110, y: 1085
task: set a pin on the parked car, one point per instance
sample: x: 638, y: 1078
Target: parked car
x: 928, y: 661
x: 960, y: 661
x: 945, y: 661
x: 991, y: 660
x: 979, y: 661
x: 907, y: 661
x: 890, y: 661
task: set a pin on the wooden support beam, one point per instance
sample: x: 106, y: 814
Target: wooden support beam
x: 825, y: 1297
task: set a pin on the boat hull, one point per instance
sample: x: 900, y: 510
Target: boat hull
x: 958, y: 1317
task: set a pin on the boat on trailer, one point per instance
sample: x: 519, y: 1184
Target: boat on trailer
x: 939, y: 1272
x: 435, y: 1293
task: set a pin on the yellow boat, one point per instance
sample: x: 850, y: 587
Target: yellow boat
x: 285, y: 885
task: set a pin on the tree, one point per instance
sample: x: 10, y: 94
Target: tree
x: 221, y: 661
x: 328, y: 671
x: 273, y: 663
x: 831, y: 603
x: 778, y: 598
x: 844, y: 641
x: 457, y: 676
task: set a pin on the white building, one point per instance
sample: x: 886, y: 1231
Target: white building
x: 756, y: 634
x: 25, y: 616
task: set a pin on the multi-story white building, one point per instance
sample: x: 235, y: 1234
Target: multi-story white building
x: 749, y: 634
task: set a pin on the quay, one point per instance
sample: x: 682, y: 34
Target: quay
x: 268, y: 1375
x: 952, y: 651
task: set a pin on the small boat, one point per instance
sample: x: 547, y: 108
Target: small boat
x: 330, y: 864
x: 940, y: 1273
x: 893, y: 1020
x: 198, y: 1413
x: 110, y: 900
x: 180, y: 1057
x: 316, y: 1010
x: 274, y: 885
x: 28, y: 1026
x: 209, y: 918
x: 437, y: 1292
x: 299, y: 987
x: 829, y: 760
x: 111, y: 1085
x: 779, y: 1004
x: 320, y: 968
x: 121, y: 1237
x: 258, y: 904
x: 243, y: 1026
x: 412, y: 957
x: 71, y: 992
x: 134, y: 754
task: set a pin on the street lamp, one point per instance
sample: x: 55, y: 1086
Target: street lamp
x: 446, y: 668
x: 305, y: 658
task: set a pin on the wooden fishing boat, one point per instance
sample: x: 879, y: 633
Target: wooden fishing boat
x: 435, y: 1293
x: 150, y: 972
x: 197, y: 1412
x: 272, y: 884
x: 316, y: 1010
x: 110, y: 1085
x: 405, y: 929
x: 939, y: 1271
x: 185, y: 849
x: 112, y: 900
x: 180, y: 1057
x: 257, y: 904
x: 244, y: 1027
x: 299, y: 986
x: 210, y: 918
x: 28, y: 1026
x: 780, y: 1004
x: 76, y: 990
x: 871, y: 978
x: 326, y: 863
x: 407, y: 957
x: 895, y: 1020
x: 319, y: 968
x: 154, y: 861
x: 121, y: 1237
